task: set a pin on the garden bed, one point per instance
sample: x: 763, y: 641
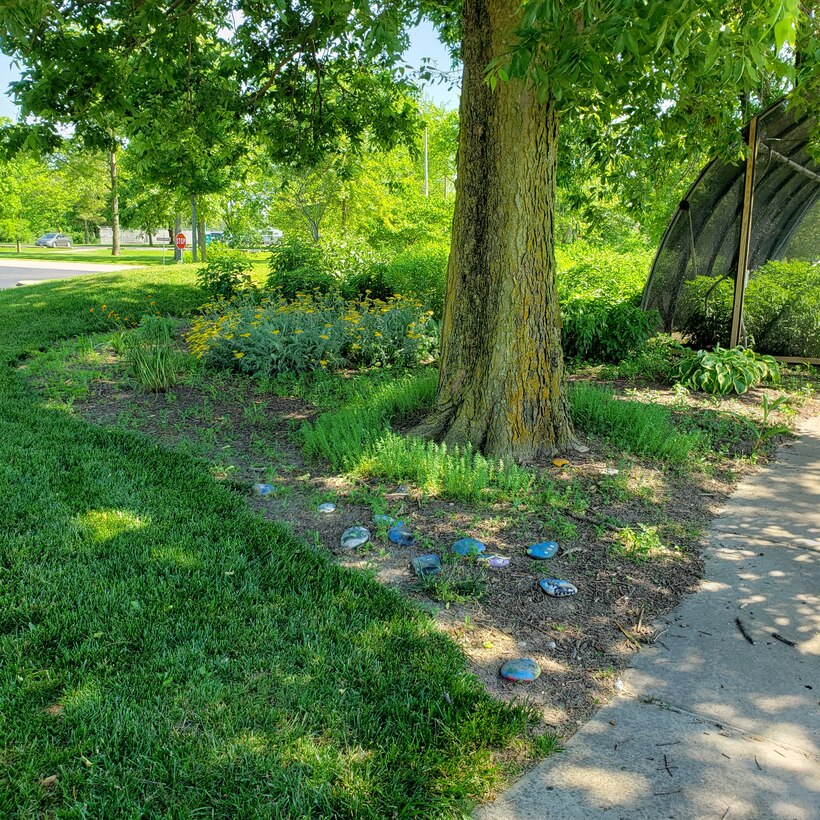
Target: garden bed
x: 629, y: 539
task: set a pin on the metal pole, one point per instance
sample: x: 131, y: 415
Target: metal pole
x: 745, y: 236
x: 426, y: 165
x: 177, y: 229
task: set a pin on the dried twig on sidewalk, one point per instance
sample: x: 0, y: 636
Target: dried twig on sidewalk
x: 743, y: 630
x: 780, y: 638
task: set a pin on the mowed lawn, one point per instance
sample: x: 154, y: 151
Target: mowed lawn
x: 166, y: 652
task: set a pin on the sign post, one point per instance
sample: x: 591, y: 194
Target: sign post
x: 180, y: 242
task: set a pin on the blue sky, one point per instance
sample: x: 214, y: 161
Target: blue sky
x: 424, y: 43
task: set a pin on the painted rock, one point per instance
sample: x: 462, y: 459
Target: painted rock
x: 495, y: 561
x: 401, y: 535
x: 609, y: 471
x: 354, y: 537
x: 578, y: 447
x: 263, y: 490
x: 468, y: 546
x: 521, y: 670
x: 543, y: 550
x: 426, y: 565
x: 560, y: 462
x: 382, y: 520
x: 557, y: 588
x: 326, y: 507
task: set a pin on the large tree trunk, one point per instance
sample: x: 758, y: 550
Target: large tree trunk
x: 501, y: 379
x: 115, y: 204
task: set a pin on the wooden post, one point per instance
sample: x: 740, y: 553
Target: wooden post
x: 745, y: 236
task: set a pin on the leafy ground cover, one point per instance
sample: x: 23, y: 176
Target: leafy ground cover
x: 628, y: 511
x: 163, y: 648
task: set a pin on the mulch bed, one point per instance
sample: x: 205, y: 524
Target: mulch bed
x: 580, y: 642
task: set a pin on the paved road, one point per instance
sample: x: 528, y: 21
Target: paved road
x: 13, y: 271
x: 711, y: 725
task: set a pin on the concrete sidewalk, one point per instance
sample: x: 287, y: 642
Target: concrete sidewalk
x: 709, y: 725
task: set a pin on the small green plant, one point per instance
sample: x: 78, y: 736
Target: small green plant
x: 598, y: 330
x: 723, y: 371
x: 639, y: 544
x: 460, y: 580
x: 226, y: 274
x: 149, y: 352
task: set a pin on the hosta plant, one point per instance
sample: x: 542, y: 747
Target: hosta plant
x: 721, y: 371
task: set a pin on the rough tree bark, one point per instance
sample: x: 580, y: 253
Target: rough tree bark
x: 501, y: 378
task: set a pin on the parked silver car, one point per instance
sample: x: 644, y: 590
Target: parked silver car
x: 54, y: 240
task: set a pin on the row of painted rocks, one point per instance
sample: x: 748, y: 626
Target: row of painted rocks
x: 518, y: 670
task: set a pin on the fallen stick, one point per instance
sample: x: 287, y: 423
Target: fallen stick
x: 743, y: 630
x: 780, y: 638
x: 629, y: 636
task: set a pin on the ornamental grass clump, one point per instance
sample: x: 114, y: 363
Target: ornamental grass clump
x: 149, y: 352
x: 311, y: 332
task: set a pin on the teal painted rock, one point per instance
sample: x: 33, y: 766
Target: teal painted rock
x: 495, y: 561
x: 401, y: 535
x: 326, y: 507
x: 263, y: 490
x: 546, y: 549
x: 468, y: 546
x: 383, y: 520
x: 521, y: 670
x: 354, y: 537
x: 426, y: 565
x: 557, y: 588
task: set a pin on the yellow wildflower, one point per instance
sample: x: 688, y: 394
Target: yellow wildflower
x: 274, y: 332
x: 245, y: 335
x: 322, y: 336
x: 237, y: 354
x: 377, y: 333
x: 323, y: 362
x: 298, y: 330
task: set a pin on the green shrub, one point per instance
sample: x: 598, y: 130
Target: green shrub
x: 657, y: 362
x: 781, y: 310
x: 297, y: 266
x: 226, y: 273
x: 725, y: 371
x: 603, y: 331
x: 149, y: 352
x: 421, y: 272
x: 643, y: 429
x: 312, y: 332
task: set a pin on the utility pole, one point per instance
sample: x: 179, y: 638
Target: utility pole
x: 426, y: 165
x: 193, y: 227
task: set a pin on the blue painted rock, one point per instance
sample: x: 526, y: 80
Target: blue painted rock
x: 382, y: 520
x: 354, y: 537
x: 557, y: 588
x: 401, y: 535
x: 546, y: 549
x: 495, y: 561
x: 426, y: 565
x: 468, y: 546
x: 263, y: 490
x: 521, y: 670
x: 326, y: 507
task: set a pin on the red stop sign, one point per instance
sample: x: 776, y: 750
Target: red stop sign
x: 181, y: 242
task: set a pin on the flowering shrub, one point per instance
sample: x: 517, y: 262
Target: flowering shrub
x: 277, y: 336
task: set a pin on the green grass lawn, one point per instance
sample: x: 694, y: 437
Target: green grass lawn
x: 166, y: 652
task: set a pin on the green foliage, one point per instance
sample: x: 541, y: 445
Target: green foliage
x: 296, y: 266
x: 421, y: 272
x: 600, y: 291
x: 227, y: 272
x: 311, y: 333
x: 781, y: 309
x: 633, y: 426
x: 460, y: 581
x: 149, y: 352
x: 655, y: 363
x: 597, y: 330
x: 638, y: 545
x: 722, y: 371
x: 358, y: 439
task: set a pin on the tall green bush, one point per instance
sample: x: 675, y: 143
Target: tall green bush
x: 421, y: 272
x: 227, y: 272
